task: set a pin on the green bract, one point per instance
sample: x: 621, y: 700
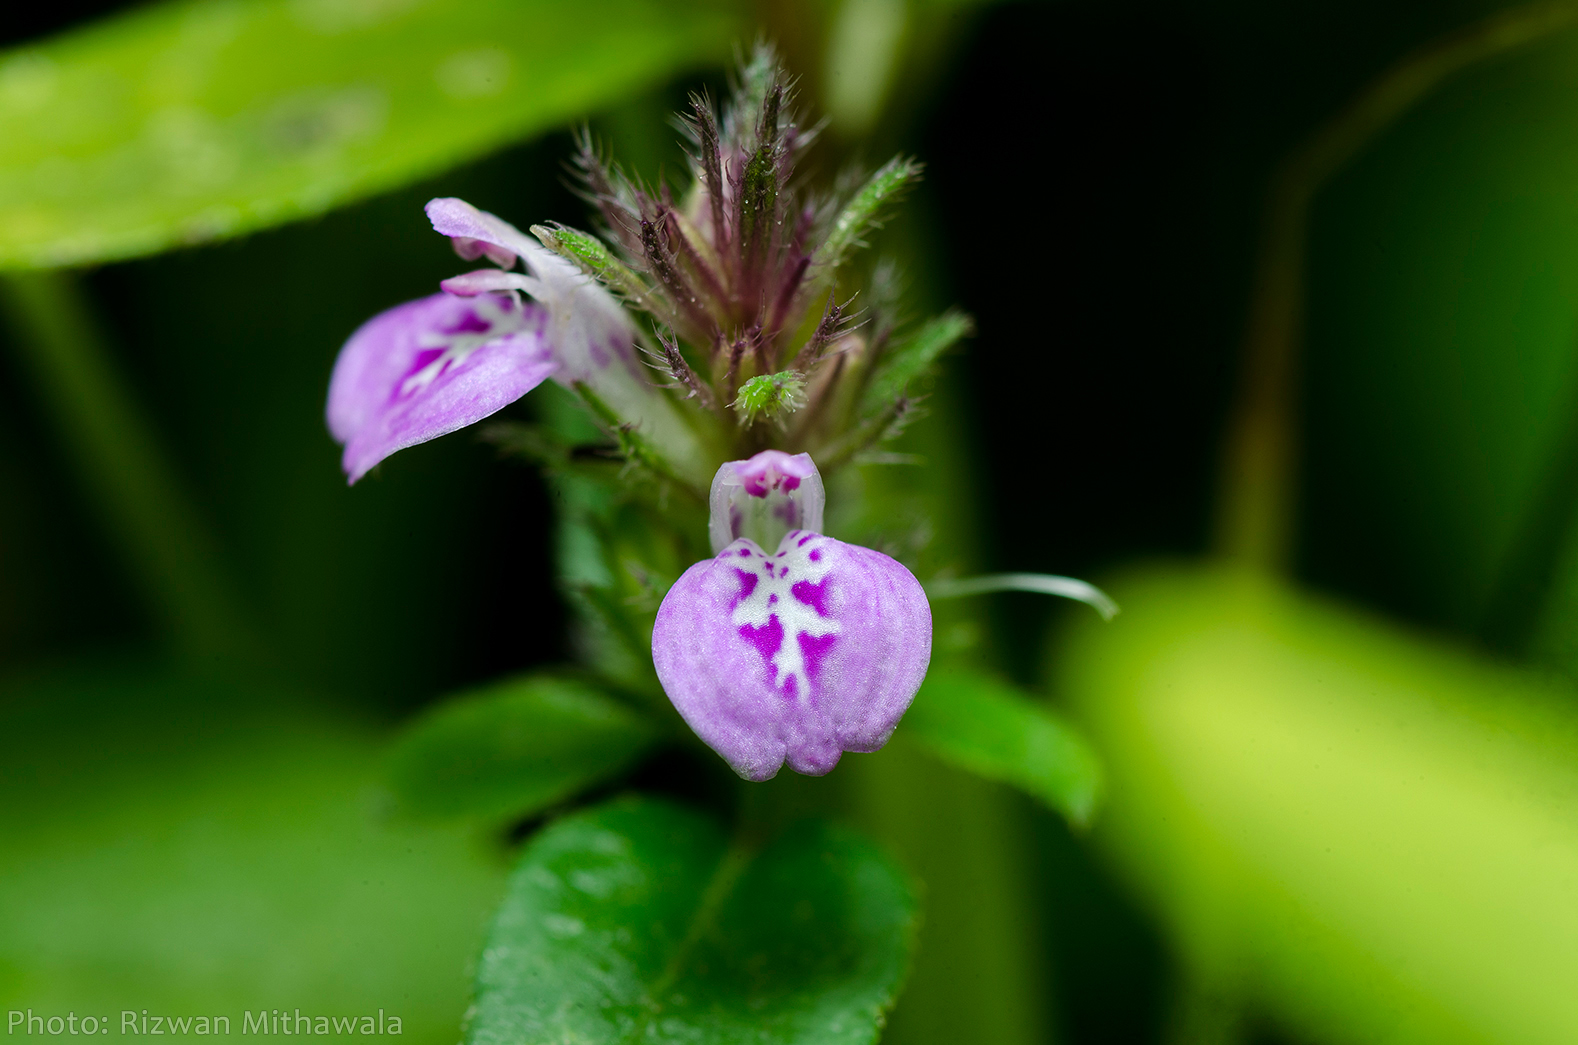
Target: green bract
x: 769, y: 395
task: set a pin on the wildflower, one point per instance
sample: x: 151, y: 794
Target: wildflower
x: 437, y: 364
x: 749, y: 344
x: 695, y: 329
x: 797, y: 655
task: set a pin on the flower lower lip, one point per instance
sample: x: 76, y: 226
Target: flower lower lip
x: 796, y: 655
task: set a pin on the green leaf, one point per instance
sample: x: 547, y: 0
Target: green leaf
x: 638, y: 921
x: 914, y: 357
x: 205, y: 846
x: 515, y: 748
x: 187, y: 122
x: 1379, y: 826
x: 978, y: 723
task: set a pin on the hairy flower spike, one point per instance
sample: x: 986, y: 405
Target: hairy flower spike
x: 741, y: 278
x: 787, y: 646
x: 730, y: 262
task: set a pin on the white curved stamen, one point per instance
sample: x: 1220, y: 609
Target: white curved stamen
x: 1039, y: 583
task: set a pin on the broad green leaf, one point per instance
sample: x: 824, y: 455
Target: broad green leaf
x: 187, y: 122
x: 199, y: 847
x: 638, y: 921
x: 1372, y: 834
x: 978, y: 723
x: 515, y: 748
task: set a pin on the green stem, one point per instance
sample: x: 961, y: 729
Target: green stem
x: 165, y: 545
x: 1255, y: 517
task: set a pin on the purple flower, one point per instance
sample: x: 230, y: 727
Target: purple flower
x: 430, y: 366
x: 440, y: 363
x: 797, y: 655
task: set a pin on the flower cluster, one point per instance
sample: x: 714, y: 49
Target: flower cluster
x: 706, y: 334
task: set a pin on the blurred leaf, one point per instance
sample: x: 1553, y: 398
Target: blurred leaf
x: 514, y: 748
x: 187, y: 122
x: 914, y: 357
x: 1372, y: 835
x: 978, y: 723
x: 638, y: 921
x: 1442, y: 370
x: 193, y: 845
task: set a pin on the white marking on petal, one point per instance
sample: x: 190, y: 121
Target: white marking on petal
x: 773, y: 596
x: 501, y: 319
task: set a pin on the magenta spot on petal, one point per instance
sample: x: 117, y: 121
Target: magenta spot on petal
x: 422, y: 359
x: 791, y: 687
x: 772, y: 599
x: 816, y: 554
x: 780, y: 555
x: 745, y: 552
x: 418, y: 364
x: 768, y: 639
x: 801, y: 542
x: 768, y: 471
x: 748, y: 582
x: 814, y: 648
x: 469, y: 323
x: 813, y: 595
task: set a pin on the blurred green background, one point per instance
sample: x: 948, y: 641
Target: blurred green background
x: 1342, y: 801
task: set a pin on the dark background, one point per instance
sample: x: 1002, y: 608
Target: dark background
x: 1095, y: 176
